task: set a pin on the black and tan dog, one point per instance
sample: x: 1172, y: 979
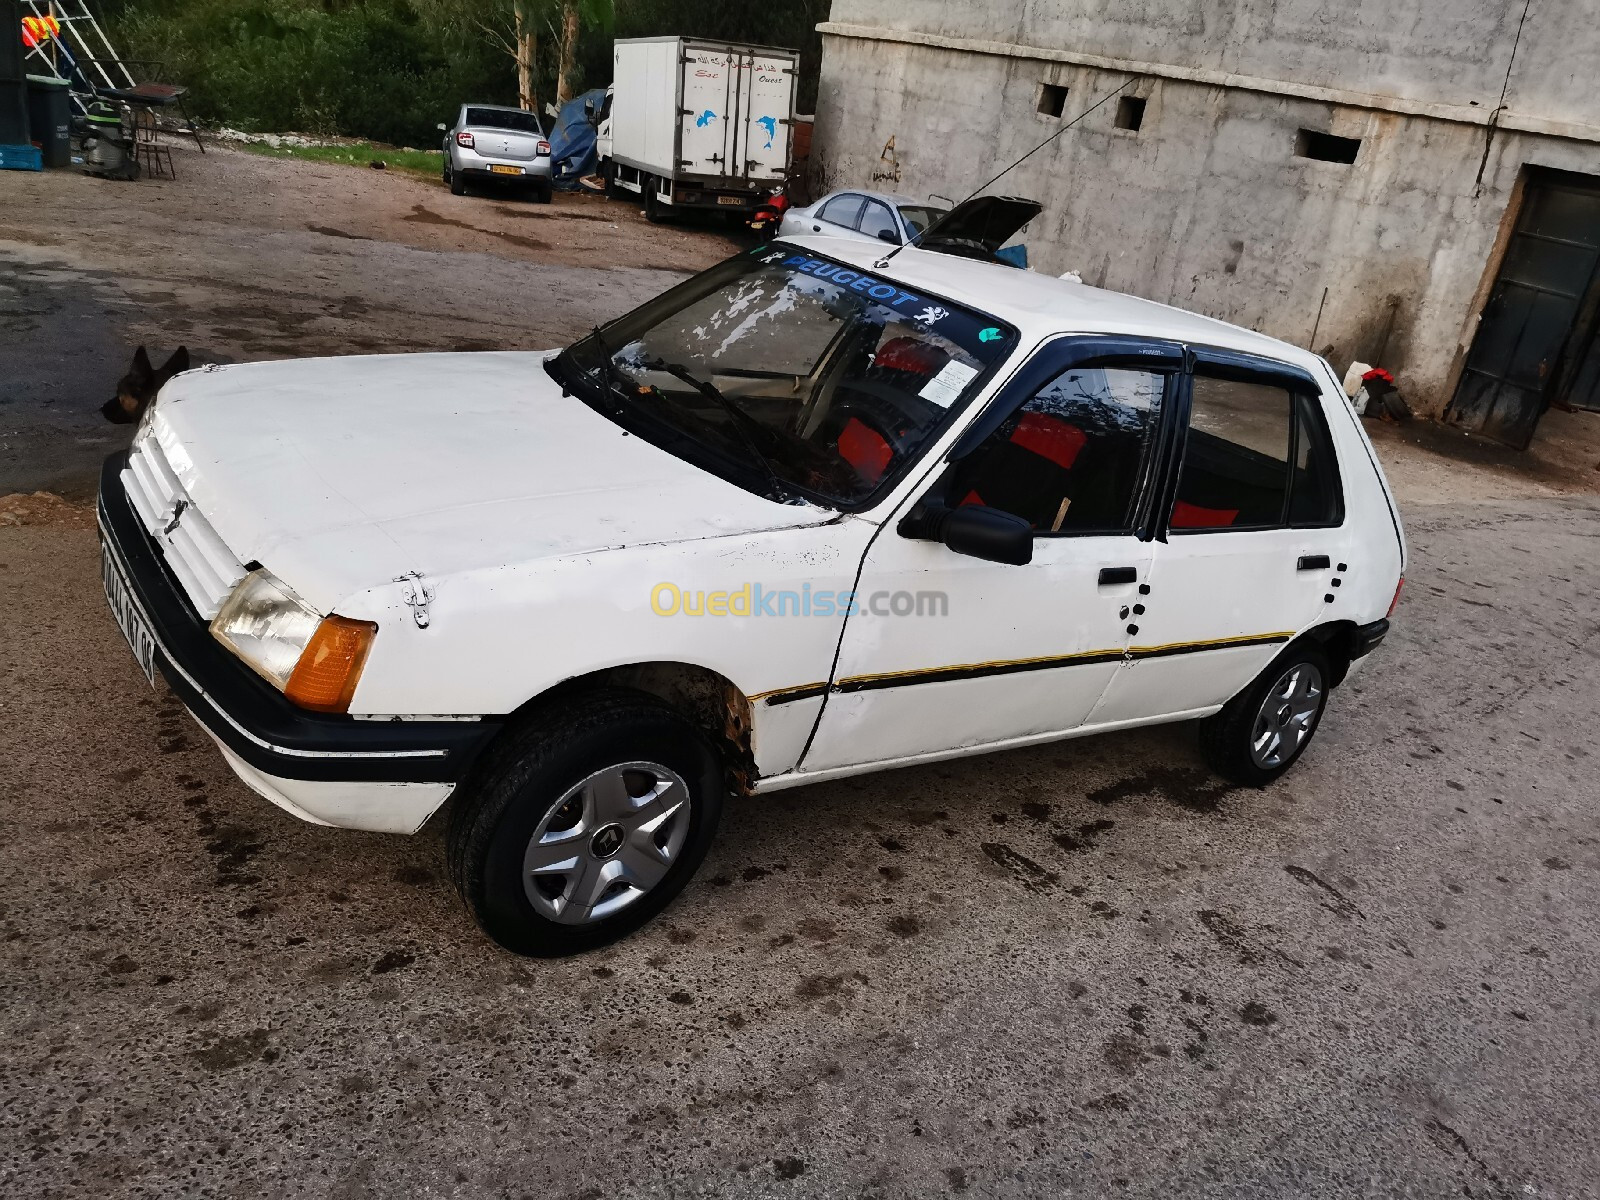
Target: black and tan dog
x: 139, y: 386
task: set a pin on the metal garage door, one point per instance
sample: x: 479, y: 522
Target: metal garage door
x: 1536, y: 341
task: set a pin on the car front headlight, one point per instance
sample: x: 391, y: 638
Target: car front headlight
x: 315, y: 661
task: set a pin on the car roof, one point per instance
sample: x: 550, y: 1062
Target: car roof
x: 1042, y: 305
x: 887, y: 197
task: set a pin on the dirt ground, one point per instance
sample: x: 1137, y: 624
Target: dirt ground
x: 1088, y: 969
x: 244, y: 257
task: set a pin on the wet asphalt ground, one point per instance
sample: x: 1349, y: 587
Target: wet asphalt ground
x: 1089, y: 969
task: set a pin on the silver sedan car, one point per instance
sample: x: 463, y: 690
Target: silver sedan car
x: 500, y: 145
x: 862, y: 217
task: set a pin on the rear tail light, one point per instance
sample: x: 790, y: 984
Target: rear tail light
x: 544, y: 149
x: 1395, y: 603
x: 464, y: 139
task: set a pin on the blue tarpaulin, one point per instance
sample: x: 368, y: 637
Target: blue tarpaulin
x: 572, y: 143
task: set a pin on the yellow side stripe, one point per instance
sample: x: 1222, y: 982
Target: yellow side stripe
x: 1009, y: 665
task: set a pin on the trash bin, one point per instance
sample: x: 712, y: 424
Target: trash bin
x: 50, y: 119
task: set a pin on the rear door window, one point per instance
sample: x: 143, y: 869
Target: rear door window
x: 1235, y: 471
x: 877, y: 220
x: 1257, y: 455
x: 843, y: 210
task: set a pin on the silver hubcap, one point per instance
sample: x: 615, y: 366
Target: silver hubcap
x: 606, y: 843
x: 1288, y: 716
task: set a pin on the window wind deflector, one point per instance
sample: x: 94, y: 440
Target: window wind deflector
x: 1249, y: 368
x: 1052, y: 359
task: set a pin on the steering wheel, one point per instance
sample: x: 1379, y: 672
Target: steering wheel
x: 885, y: 411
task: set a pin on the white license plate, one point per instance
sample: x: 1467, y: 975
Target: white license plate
x: 129, y: 619
x: 730, y: 199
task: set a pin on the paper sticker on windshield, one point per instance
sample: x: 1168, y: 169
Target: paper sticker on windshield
x: 948, y: 384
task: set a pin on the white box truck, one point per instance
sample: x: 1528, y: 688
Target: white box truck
x: 697, y: 124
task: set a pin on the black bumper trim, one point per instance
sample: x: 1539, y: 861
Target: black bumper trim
x: 1364, y: 639
x: 245, y: 713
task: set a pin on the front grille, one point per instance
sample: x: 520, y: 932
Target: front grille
x: 201, y: 560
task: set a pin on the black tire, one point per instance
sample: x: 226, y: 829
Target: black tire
x: 1228, y: 739
x: 525, y: 777
x: 654, y: 211
x: 458, y: 186
x: 608, y: 172
x: 543, y: 193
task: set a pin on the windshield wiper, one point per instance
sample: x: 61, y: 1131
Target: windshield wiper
x: 736, y: 419
x: 610, y: 374
x: 611, y: 380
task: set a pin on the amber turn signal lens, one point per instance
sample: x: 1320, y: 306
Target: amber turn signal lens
x: 325, y: 678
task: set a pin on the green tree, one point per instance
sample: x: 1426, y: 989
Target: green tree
x: 390, y: 69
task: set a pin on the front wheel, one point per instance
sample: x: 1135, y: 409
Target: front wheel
x: 1262, y: 731
x: 654, y: 211
x: 585, y: 824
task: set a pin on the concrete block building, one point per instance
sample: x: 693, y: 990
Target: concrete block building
x: 1414, y: 183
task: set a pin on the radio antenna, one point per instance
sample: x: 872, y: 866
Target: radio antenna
x: 884, y: 261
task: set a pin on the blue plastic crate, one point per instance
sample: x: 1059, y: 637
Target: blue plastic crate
x: 21, y: 158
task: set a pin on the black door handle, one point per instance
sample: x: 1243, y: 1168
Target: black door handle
x: 1314, y: 562
x: 1111, y: 575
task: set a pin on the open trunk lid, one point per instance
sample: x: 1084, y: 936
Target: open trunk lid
x: 977, y: 228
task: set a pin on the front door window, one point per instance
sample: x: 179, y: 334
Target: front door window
x: 1070, y: 460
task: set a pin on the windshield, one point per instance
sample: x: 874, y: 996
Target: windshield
x: 504, y: 118
x: 920, y: 217
x: 800, y: 376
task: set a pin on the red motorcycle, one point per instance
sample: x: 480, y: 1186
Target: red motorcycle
x: 765, y: 220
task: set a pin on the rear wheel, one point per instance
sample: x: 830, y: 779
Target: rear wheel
x: 453, y: 178
x: 585, y: 824
x: 1262, y: 731
x: 542, y: 193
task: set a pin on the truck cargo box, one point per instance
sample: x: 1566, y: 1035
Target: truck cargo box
x: 705, y: 122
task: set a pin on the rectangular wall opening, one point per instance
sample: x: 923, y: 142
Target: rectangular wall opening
x: 1130, y: 112
x: 1052, y: 99
x: 1324, y: 147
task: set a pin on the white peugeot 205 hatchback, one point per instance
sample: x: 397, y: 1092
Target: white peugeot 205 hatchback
x: 807, y: 515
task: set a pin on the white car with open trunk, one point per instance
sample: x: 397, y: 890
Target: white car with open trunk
x: 810, y: 514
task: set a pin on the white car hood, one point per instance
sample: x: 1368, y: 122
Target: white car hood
x: 339, y: 474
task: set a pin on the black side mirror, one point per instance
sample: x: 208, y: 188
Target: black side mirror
x: 974, y: 530
x: 887, y: 235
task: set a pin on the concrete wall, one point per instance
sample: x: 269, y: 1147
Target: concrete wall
x: 1453, y: 52
x: 1207, y: 206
